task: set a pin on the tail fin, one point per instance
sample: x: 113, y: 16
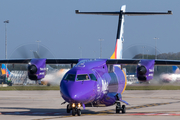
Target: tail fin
x: 119, y: 39
x: 175, y: 69
x: 3, y: 70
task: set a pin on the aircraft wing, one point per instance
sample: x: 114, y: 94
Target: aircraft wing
x: 136, y: 61
x: 145, y: 67
x: 15, y: 61
x: 62, y: 61
x: 108, y: 61
x: 48, y: 61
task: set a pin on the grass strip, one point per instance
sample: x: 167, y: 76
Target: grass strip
x: 166, y: 87
x: 163, y: 87
x: 29, y: 88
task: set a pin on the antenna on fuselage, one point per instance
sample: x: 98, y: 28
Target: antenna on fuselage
x: 120, y: 30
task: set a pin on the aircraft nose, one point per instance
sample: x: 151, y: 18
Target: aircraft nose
x: 78, y: 92
x: 76, y: 96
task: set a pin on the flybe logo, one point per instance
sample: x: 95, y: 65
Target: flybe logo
x: 42, y: 69
x: 42, y: 73
x: 151, y: 70
x: 81, y: 65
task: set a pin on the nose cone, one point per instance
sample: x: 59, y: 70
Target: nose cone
x: 78, y: 92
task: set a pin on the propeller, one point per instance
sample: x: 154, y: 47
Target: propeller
x: 27, y: 51
x: 19, y: 71
x: 141, y: 51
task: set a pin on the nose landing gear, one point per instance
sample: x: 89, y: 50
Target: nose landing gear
x: 68, y: 109
x: 75, y: 109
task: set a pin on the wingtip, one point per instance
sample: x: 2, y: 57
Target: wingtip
x: 170, y: 12
x: 77, y: 11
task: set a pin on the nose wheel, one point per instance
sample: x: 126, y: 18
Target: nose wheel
x: 79, y: 112
x: 74, y: 108
x: 76, y: 111
x: 73, y: 112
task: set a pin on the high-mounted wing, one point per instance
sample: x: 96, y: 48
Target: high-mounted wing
x: 48, y: 61
x: 145, y: 67
x: 136, y: 61
x: 15, y: 61
x: 37, y: 67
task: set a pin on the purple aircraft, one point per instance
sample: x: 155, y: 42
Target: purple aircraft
x: 96, y: 82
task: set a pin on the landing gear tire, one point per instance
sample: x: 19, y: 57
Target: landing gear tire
x: 68, y: 110
x: 73, y: 112
x: 78, y: 112
x: 118, y: 107
x: 117, y: 110
x: 123, y: 109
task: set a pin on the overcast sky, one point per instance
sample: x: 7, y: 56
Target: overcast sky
x: 65, y: 34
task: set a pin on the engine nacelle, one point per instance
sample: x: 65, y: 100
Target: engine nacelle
x: 145, y: 70
x: 37, y: 69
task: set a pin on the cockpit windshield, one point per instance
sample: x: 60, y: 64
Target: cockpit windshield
x: 86, y: 77
x: 70, y: 77
x: 92, y: 77
x: 82, y: 77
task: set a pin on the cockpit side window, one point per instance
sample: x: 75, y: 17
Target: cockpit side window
x: 92, y: 76
x: 70, y: 77
x: 82, y: 77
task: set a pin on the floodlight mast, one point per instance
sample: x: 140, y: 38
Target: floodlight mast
x: 6, y: 21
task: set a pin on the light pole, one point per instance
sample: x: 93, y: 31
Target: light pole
x: 31, y: 52
x: 6, y: 21
x: 143, y: 52
x: 100, y: 40
x: 80, y: 52
x: 38, y: 41
x: 94, y: 53
x: 147, y: 53
x: 156, y: 50
x: 156, y: 47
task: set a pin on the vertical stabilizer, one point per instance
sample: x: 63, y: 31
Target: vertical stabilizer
x: 119, y: 38
x: 175, y: 69
x: 3, y: 70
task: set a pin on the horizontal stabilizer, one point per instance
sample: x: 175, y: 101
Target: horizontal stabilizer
x: 125, y: 13
x: 146, y: 13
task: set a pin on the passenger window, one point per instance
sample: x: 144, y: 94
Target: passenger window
x: 82, y: 77
x: 92, y: 77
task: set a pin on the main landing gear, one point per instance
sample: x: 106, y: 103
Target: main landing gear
x: 119, y: 108
x: 75, y: 109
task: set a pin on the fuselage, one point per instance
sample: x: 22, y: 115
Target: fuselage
x: 91, y: 82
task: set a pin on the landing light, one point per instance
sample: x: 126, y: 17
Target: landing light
x: 73, y: 105
x: 79, y: 105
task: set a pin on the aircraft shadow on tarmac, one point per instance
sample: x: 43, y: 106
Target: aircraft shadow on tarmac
x: 42, y: 112
x: 62, y: 112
